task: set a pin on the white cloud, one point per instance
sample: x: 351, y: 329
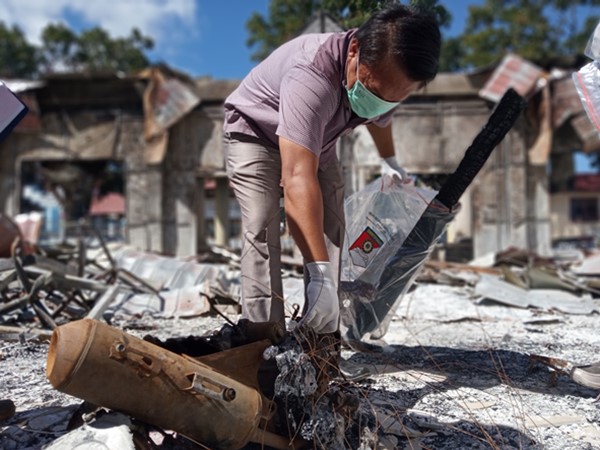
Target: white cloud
x: 160, y: 19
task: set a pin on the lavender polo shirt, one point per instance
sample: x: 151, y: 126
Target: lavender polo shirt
x: 298, y: 93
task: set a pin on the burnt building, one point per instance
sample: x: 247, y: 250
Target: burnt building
x: 142, y: 138
x: 154, y: 142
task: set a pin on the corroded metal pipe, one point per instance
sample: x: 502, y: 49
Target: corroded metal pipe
x: 107, y: 367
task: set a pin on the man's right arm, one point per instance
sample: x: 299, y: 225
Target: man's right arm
x: 303, y: 199
x: 304, y: 211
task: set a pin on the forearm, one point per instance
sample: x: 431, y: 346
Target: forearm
x: 304, y: 212
x: 383, y: 139
x: 303, y: 199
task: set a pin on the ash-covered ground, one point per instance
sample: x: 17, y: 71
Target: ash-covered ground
x: 452, y: 380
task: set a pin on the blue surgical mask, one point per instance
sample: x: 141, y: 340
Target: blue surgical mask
x: 364, y: 103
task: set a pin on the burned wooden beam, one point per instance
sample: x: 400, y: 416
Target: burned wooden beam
x: 504, y: 116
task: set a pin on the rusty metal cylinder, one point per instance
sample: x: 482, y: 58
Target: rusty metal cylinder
x: 108, y: 367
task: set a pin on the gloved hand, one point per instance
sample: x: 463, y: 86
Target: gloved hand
x: 390, y: 166
x: 323, y: 311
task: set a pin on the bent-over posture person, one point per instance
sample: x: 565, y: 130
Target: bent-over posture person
x: 281, y: 127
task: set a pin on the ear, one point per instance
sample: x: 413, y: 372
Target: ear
x: 352, y: 54
x: 353, y: 48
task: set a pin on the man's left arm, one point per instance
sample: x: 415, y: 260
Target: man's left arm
x: 384, y: 142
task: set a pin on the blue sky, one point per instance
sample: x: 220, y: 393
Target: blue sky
x: 583, y: 163
x: 200, y: 37
x: 221, y: 41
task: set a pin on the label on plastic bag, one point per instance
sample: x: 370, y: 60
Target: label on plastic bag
x: 378, y: 219
x: 363, y: 250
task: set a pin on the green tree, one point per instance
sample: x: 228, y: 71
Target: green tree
x: 286, y: 18
x: 94, y: 49
x: 62, y: 49
x: 542, y: 31
x: 58, y: 49
x: 18, y: 58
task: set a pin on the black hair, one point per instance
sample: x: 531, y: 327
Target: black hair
x: 410, y: 36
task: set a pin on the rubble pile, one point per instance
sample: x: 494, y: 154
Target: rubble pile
x: 56, y: 285
x: 488, y: 355
x: 49, y: 291
x: 319, y: 403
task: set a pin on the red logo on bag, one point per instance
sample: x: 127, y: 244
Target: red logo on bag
x: 367, y: 241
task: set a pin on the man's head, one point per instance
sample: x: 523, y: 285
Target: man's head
x: 406, y: 37
x: 395, y: 53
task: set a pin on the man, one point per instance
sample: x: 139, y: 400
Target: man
x: 281, y: 126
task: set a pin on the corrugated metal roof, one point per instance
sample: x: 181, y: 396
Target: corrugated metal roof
x: 451, y: 84
x: 18, y: 86
x: 513, y: 72
x: 322, y: 22
x: 211, y: 90
x: 565, y: 101
x: 587, y: 133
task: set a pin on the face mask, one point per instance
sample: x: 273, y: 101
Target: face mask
x: 364, y: 103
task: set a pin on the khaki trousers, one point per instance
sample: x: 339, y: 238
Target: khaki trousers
x: 254, y: 171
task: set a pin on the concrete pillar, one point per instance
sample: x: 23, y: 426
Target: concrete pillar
x: 201, y: 244
x: 184, y: 197
x: 539, y: 236
x: 144, y: 209
x: 222, y: 212
x: 10, y: 178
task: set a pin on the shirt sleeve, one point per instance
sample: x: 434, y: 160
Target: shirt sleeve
x: 307, y: 103
x: 385, y: 119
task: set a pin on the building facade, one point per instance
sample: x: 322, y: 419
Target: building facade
x: 161, y: 132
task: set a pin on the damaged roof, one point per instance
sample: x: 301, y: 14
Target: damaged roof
x: 211, y: 90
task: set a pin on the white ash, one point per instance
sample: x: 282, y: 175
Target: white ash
x: 478, y: 388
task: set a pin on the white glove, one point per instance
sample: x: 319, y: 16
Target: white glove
x: 390, y: 166
x: 323, y: 311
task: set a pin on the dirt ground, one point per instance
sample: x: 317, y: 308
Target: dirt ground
x: 455, y: 382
